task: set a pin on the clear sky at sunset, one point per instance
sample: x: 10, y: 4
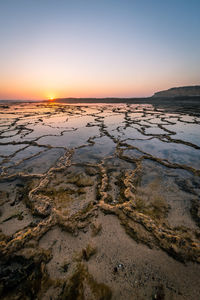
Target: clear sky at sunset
x: 97, y: 48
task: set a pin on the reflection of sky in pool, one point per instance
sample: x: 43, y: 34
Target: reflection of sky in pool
x: 173, y: 152
x: 33, y: 131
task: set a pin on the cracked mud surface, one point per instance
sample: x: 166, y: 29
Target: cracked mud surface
x: 99, y: 202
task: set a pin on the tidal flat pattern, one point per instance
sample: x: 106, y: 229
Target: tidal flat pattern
x: 99, y: 202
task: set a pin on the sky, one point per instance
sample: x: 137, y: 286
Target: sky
x: 97, y: 48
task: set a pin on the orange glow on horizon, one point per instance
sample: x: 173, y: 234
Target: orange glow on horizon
x: 41, y: 88
x: 31, y: 90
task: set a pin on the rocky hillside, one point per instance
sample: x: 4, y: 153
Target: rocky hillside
x: 179, y: 91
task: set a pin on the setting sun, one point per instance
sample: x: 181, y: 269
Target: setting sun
x: 51, y: 98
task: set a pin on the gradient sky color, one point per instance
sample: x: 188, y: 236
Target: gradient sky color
x: 97, y: 48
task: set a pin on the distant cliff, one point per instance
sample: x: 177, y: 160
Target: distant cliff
x: 180, y: 91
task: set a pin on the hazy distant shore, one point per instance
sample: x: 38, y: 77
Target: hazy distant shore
x: 115, y: 100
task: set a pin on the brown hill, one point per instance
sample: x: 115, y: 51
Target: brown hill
x: 179, y: 91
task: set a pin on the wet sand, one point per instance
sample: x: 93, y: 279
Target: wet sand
x: 99, y: 201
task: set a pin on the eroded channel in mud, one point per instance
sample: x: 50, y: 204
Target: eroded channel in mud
x: 80, y: 182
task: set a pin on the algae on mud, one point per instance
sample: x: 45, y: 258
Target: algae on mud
x: 85, y: 189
